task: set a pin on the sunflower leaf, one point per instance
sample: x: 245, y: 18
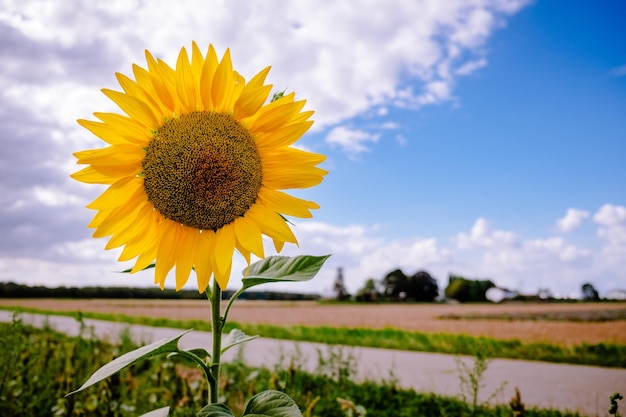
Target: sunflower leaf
x: 234, y: 338
x: 130, y: 358
x: 282, y: 269
x: 161, y: 412
x: 272, y: 403
x: 215, y: 410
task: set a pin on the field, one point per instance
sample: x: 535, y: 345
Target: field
x: 564, y: 324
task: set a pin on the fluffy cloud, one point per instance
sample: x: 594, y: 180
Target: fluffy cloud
x: 612, y: 221
x: 351, y: 141
x: 481, y: 235
x: 342, y: 62
x: 573, y: 218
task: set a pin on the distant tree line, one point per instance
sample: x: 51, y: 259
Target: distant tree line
x: 466, y: 290
x: 419, y: 287
x: 13, y: 290
x: 397, y: 286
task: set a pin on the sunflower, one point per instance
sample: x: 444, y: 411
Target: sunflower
x: 195, y: 167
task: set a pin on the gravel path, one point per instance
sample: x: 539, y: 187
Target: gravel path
x: 585, y: 389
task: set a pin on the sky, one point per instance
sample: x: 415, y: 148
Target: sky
x: 481, y: 138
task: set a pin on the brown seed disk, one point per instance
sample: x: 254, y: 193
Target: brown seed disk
x: 202, y: 169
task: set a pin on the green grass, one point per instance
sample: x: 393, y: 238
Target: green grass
x: 40, y: 366
x: 601, y: 354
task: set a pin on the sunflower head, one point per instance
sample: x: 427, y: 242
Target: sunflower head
x: 196, y: 165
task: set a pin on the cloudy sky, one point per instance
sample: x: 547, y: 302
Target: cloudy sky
x: 485, y: 138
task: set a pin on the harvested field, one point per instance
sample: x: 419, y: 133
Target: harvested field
x: 412, y: 317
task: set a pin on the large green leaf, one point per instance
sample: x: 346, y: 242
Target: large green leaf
x: 235, y: 337
x: 215, y: 410
x: 161, y: 412
x: 272, y: 404
x: 282, y: 269
x: 127, y: 359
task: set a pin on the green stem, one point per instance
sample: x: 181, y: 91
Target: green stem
x: 194, y: 358
x: 217, y: 324
x: 230, y: 302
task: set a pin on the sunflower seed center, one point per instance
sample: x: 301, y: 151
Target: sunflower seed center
x: 202, y: 169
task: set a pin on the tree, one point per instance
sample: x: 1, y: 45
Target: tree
x: 589, y: 292
x: 422, y: 287
x: 395, y: 285
x: 341, y: 293
x: 465, y: 290
x: 369, y: 292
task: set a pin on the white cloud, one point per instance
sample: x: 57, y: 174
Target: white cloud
x: 612, y: 221
x: 351, y: 141
x: 471, y: 66
x: 502, y: 256
x: 334, y: 55
x: 573, y: 218
x: 481, y: 235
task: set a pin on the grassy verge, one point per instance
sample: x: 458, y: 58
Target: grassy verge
x: 601, y: 354
x: 40, y: 366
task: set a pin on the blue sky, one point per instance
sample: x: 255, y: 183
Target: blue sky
x: 480, y: 138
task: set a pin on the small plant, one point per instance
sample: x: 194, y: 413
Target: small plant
x: 516, y: 404
x: 471, y: 380
x: 613, y: 410
x: 351, y: 409
x: 339, y: 364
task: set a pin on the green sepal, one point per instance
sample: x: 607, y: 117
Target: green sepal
x: 215, y: 410
x: 272, y: 403
x: 130, y: 358
x: 282, y: 269
x: 127, y: 271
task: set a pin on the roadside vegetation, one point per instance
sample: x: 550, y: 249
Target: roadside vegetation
x: 600, y: 354
x: 40, y: 366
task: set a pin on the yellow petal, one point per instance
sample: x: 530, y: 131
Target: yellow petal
x: 134, y: 236
x: 252, y: 120
x: 138, y: 91
x: 126, y: 127
x: 167, y: 251
x: 248, y: 235
x: 206, y: 79
x: 278, y: 245
x: 147, y: 83
x: 120, y: 217
x: 284, y: 136
x: 277, y: 117
x: 222, y: 85
x: 202, y: 258
x: 105, y: 175
x: 116, y: 194
x: 223, y: 278
x: 271, y: 223
x: 134, y: 107
x: 285, y: 203
x: 161, y: 88
x: 114, y: 155
x: 252, y: 97
x: 185, y: 84
x: 224, y: 249
x: 136, y: 226
x: 243, y: 252
x: 107, y: 133
x: 186, y: 255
